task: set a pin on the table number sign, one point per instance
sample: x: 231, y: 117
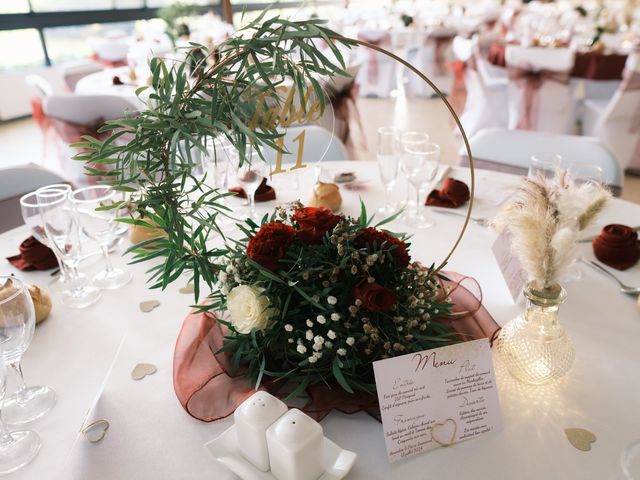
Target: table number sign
x: 436, y: 398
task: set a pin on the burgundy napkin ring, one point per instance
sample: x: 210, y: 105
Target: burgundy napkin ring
x: 33, y: 256
x: 453, y: 194
x: 617, y: 246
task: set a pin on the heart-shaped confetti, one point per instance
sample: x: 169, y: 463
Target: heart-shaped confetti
x: 189, y: 288
x: 580, y: 438
x: 149, y: 305
x: 444, y: 433
x: 141, y: 370
x: 95, y: 432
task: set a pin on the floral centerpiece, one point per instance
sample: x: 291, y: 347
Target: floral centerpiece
x: 315, y: 297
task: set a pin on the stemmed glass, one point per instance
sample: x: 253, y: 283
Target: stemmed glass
x: 17, y: 324
x: 250, y: 171
x: 544, y: 165
x: 63, y: 232
x: 216, y: 166
x: 408, y: 139
x: 100, y: 225
x: 32, y: 218
x: 388, y: 162
x: 422, y: 160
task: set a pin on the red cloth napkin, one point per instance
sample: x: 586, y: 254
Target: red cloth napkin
x: 453, y: 194
x: 617, y: 246
x: 33, y: 256
x: 264, y: 193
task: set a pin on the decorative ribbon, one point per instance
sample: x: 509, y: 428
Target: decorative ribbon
x: 458, y: 96
x: 373, y: 67
x: 33, y: 256
x: 617, y: 246
x: 440, y: 45
x: 345, y: 108
x: 529, y: 82
x: 210, y: 388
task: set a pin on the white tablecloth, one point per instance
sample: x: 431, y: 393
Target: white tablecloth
x: 101, y: 83
x: 152, y: 437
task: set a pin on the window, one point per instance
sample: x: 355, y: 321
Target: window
x: 67, y: 5
x: 14, y: 6
x: 29, y: 54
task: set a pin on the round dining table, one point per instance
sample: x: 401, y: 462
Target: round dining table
x: 112, y: 81
x: 87, y: 357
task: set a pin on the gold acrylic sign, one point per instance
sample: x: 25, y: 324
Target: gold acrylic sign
x: 284, y: 115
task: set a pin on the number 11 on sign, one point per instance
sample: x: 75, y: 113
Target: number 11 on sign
x: 280, y: 143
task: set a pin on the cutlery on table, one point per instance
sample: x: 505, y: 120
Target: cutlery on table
x: 624, y: 288
x: 592, y: 237
x: 479, y: 220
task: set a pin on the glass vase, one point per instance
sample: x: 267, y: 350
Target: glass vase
x: 534, y: 346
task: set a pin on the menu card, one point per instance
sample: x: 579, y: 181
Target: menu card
x: 512, y: 271
x: 437, y: 397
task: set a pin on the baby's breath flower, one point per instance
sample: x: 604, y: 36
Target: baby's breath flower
x: 331, y: 300
x: 313, y: 359
x: 301, y: 349
x: 328, y: 344
x: 309, y: 323
x: 341, y: 351
x: 335, y: 317
x: 309, y: 335
x: 318, y: 339
x: 288, y: 327
x: 331, y: 334
x: 321, y: 320
x: 350, y: 341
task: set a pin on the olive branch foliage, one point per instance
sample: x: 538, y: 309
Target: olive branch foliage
x: 151, y: 156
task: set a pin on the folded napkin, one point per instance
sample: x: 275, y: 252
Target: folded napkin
x: 452, y: 194
x: 617, y: 246
x: 264, y: 193
x: 33, y: 256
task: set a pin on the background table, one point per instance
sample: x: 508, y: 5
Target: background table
x: 152, y: 437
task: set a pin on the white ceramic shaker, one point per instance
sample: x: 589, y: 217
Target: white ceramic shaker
x: 252, y: 418
x: 295, y: 443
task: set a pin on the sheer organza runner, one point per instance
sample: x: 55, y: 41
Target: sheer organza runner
x: 209, y: 388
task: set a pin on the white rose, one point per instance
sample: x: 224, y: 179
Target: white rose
x: 248, y: 308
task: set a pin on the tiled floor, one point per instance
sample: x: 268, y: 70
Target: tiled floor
x: 21, y: 140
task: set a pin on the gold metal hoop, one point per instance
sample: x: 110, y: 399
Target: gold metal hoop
x: 453, y: 113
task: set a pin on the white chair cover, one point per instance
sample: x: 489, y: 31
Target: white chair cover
x: 73, y: 72
x: 432, y: 58
x: 617, y: 122
x: 539, y: 93
x: 511, y: 150
x: 377, y: 75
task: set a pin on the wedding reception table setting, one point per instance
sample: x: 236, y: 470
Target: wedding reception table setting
x: 228, y: 295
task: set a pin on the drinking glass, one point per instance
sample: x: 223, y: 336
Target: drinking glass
x: 250, y: 171
x: 63, y: 232
x: 408, y: 139
x: 585, y: 173
x: 216, y: 166
x: 424, y: 160
x: 17, y: 324
x: 388, y: 162
x: 630, y: 462
x: 32, y: 218
x: 100, y: 225
x: 544, y: 165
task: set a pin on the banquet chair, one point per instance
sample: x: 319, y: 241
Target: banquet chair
x: 511, y: 150
x: 432, y: 58
x: 74, y: 115
x: 617, y: 121
x: 15, y: 182
x: 73, y: 72
x: 539, y: 93
x: 377, y: 76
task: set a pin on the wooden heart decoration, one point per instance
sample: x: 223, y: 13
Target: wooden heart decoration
x: 580, y: 438
x: 141, y: 370
x: 444, y: 433
x: 149, y: 305
x: 189, y: 288
x: 95, y: 432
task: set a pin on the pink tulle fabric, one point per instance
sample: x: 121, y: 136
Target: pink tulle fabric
x: 210, y: 388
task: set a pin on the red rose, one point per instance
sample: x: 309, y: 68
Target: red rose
x: 314, y: 223
x: 374, y: 297
x: 270, y: 244
x: 398, y: 248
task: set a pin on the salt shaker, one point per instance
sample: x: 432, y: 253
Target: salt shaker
x: 252, y: 418
x: 295, y: 442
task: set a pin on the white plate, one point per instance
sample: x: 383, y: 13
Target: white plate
x: 337, y: 462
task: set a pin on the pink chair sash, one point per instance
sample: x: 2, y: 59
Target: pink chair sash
x: 440, y: 45
x: 631, y: 82
x: 210, y: 388
x: 373, y: 62
x: 529, y: 83
x: 345, y: 108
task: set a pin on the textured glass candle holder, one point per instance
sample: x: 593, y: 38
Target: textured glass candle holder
x: 534, y: 346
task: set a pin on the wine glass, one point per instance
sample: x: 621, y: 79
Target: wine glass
x: 250, y: 171
x: 388, y: 162
x: 63, y: 232
x: 17, y: 324
x: 32, y: 218
x: 544, y: 165
x: 99, y: 224
x: 629, y: 468
x: 585, y: 173
x: 216, y: 166
x: 408, y: 139
x: 423, y: 160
